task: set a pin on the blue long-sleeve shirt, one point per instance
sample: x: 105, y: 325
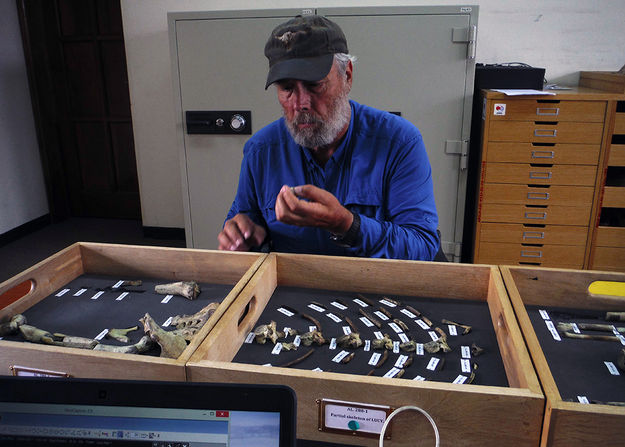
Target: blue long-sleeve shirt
x: 380, y: 171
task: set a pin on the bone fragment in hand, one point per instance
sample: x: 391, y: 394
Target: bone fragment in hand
x: 172, y: 345
x: 189, y: 289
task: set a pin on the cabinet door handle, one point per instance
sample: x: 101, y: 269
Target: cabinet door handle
x: 538, y: 195
x: 533, y: 235
x: 535, y: 215
x: 531, y: 254
x: 545, y: 132
x: 543, y: 154
x: 540, y: 175
x: 551, y: 111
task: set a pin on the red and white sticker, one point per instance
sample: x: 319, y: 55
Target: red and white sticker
x: 499, y: 110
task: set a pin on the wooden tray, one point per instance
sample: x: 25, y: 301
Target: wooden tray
x: 465, y: 414
x: 568, y: 424
x: 125, y: 261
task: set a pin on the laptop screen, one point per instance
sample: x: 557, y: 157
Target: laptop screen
x: 75, y: 412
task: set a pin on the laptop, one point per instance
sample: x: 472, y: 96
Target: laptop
x: 87, y: 412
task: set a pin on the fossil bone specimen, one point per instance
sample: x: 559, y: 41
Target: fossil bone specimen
x: 348, y: 358
x: 568, y: 327
x: 476, y: 350
x: 313, y: 337
x: 615, y: 316
x: 267, y: 331
x: 437, y: 345
x: 409, y: 346
x: 370, y: 317
x: 466, y: 328
x: 36, y: 335
x: 189, y: 325
x: 172, y: 345
x: 188, y: 289
x: 298, y: 360
x: 350, y: 341
x: 289, y: 347
x: 72, y: 341
x: 382, y: 343
x: 313, y: 320
x: 143, y: 345
x: 620, y: 359
x: 12, y: 326
x: 121, y: 334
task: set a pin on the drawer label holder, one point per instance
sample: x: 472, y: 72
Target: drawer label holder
x: 353, y: 418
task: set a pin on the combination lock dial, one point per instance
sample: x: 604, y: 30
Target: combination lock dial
x: 237, y: 122
x: 219, y: 122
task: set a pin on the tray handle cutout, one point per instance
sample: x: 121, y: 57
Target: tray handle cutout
x: 17, y: 293
x: 247, y: 315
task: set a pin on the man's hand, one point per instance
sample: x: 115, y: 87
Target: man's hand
x: 240, y: 234
x: 320, y: 209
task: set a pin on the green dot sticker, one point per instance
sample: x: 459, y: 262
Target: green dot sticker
x: 353, y: 425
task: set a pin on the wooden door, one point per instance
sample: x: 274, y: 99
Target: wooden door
x: 77, y: 72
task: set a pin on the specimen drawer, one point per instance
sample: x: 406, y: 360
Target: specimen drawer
x: 617, y: 155
x: 466, y: 414
x: 571, y: 371
x: 549, y: 110
x: 560, y: 153
x: 531, y: 234
x: 64, y: 294
x: 610, y: 236
x: 554, y: 214
x: 581, y: 175
x: 545, y: 132
x: 609, y: 258
x: 534, y: 195
x: 544, y: 255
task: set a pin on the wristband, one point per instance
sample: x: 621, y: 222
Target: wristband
x: 350, y: 238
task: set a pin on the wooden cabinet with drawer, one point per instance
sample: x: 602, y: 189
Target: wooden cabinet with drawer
x: 540, y: 177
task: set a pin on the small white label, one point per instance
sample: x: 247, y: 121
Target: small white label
x: 318, y: 369
x: 347, y: 330
x: 340, y: 356
x: 360, y: 303
x: 401, y: 361
x: 250, y: 337
x: 297, y: 340
x: 621, y: 339
x: 267, y: 364
x: 375, y: 357
x: 367, y: 345
x: 433, y: 335
x: 553, y: 330
x: 167, y: 322
x: 392, y: 372
x: 121, y: 296
x: 452, y: 329
x: 101, y: 335
x: 403, y: 337
x: 433, y: 363
x: 166, y: 299
x: 388, y: 303
x: 466, y: 352
x: 408, y: 313
x: 419, y: 349
x: 499, y: 110
x: 612, y: 368
x: 423, y: 324
x: 378, y: 335
x: 575, y: 328
x: 277, y: 348
x: 312, y: 328
x: 366, y: 321
x: 381, y: 315
x: 80, y: 292
x: 460, y: 379
x: 317, y: 308
x: 286, y: 312
x: 466, y: 9
x: 396, y: 347
x: 286, y: 331
x: 543, y: 313
x: 333, y: 317
x: 333, y: 344
x: 395, y: 327
x: 97, y: 295
x: 338, y: 305
x: 62, y: 292
x: 419, y: 378
x: 583, y: 400
x: 465, y: 365
x: 118, y: 284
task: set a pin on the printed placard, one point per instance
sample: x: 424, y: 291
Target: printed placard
x: 286, y: 331
x: 452, y: 329
x: 80, y: 292
x: 118, y: 284
x: 250, y: 337
x: 401, y: 361
x: 101, y: 335
x: 543, y: 313
x: 419, y: 349
x: 403, y: 337
x: 466, y: 352
x: 360, y: 302
x: 388, y: 303
x: 367, y: 346
x: 277, y: 348
x: 97, y: 295
x: 267, y: 364
x: 553, y: 330
x: 167, y: 322
x: 347, y: 330
x: 465, y: 365
x: 378, y: 335
x: 338, y: 305
x: 419, y: 378
x: 575, y: 328
x: 333, y: 317
x: 381, y: 315
x: 395, y: 327
x: 612, y: 368
x: 423, y: 324
x: 392, y: 372
x: 286, y: 312
x: 460, y: 379
x: 583, y: 400
x: 317, y: 369
x: 366, y: 321
x: 433, y: 363
x: 408, y: 313
x: 340, y: 356
x: 121, y: 296
x: 166, y: 299
x: 297, y: 340
x: 62, y: 292
x: 433, y: 335
x: 312, y: 328
x: 317, y: 308
x: 375, y: 358
x: 333, y: 344
x: 396, y: 347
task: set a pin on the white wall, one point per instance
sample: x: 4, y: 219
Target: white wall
x: 22, y: 191
x: 563, y: 36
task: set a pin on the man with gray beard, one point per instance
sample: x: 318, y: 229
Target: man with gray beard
x: 331, y: 176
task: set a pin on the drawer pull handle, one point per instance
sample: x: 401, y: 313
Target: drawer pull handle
x: 540, y: 175
x: 551, y: 111
x: 538, y: 195
x: 535, y: 215
x: 543, y: 154
x: 545, y: 132
x: 533, y: 235
x: 531, y: 254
